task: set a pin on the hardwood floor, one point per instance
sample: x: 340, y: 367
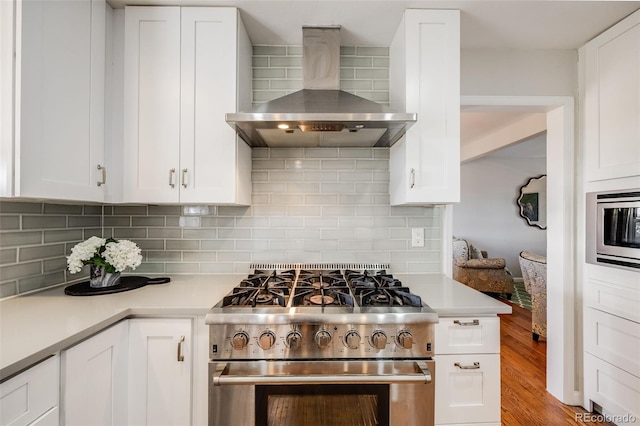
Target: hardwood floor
x: 523, y: 363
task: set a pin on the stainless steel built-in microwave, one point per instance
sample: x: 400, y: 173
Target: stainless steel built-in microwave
x: 613, y: 228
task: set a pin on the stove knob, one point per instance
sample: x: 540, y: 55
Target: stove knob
x: 293, y: 340
x: 240, y: 340
x: 266, y: 340
x: 379, y: 339
x: 323, y: 339
x: 404, y: 339
x: 352, y: 339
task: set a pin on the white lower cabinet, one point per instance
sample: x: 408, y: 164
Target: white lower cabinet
x: 31, y: 397
x: 467, y: 371
x: 613, y: 389
x: 94, y: 379
x: 612, y: 343
x: 160, y: 371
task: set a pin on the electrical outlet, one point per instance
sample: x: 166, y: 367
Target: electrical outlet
x: 417, y: 237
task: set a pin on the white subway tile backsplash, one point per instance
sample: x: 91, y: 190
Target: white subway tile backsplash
x: 338, y: 188
x: 286, y: 222
x: 303, y: 164
x: 269, y: 210
x: 321, y: 199
x: 338, y: 164
x: 303, y: 211
x: 338, y: 210
x: 321, y: 153
x: 292, y: 175
x: 321, y: 177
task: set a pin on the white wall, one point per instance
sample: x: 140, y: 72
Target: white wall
x: 497, y: 72
x: 487, y: 215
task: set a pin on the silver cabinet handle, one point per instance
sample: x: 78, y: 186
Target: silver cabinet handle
x: 103, y: 172
x: 413, y: 178
x: 475, y: 366
x: 467, y: 323
x: 180, y: 354
x: 184, y: 178
x: 172, y: 173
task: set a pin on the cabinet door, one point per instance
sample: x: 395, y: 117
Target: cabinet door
x: 151, y: 150
x: 94, y: 379
x: 467, y: 388
x: 209, y: 153
x: 612, y: 102
x: 31, y: 395
x: 59, y: 103
x: 425, y: 78
x: 160, y: 372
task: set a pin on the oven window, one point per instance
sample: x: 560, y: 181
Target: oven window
x: 322, y: 405
x: 622, y: 227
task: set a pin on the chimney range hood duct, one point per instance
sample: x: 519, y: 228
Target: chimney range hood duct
x: 321, y: 115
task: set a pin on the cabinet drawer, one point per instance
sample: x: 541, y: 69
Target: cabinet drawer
x: 613, y: 339
x: 467, y: 335
x: 613, y: 290
x: 615, y: 390
x: 30, y: 394
x: 467, y: 389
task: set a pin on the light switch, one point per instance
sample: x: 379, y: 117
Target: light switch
x: 417, y: 237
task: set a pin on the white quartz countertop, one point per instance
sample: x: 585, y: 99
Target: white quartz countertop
x: 35, y: 326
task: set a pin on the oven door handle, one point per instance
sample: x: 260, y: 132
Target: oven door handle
x: 422, y: 376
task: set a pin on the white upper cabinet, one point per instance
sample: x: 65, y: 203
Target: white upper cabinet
x: 180, y: 78
x: 611, y: 64
x: 424, y: 78
x: 53, y: 123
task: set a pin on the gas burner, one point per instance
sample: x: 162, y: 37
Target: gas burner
x: 312, y: 296
x: 399, y: 296
x: 380, y: 299
x: 319, y: 299
x: 264, y: 298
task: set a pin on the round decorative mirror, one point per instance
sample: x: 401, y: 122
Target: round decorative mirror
x: 533, y: 201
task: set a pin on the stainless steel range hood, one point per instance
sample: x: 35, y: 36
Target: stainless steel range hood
x: 321, y: 115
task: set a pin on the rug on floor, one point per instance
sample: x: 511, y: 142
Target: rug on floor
x: 520, y: 296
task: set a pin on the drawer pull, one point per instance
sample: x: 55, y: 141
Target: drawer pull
x: 103, y: 175
x: 467, y: 323
x: 180, y: 354
x: 475, y: 366
x: 184, y: 177
x: 172, y: 173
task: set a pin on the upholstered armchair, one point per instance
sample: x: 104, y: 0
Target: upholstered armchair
x: 534, y: 273
x: 472, y: 268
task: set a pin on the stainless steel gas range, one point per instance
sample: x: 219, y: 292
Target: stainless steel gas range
x: 307, y: 344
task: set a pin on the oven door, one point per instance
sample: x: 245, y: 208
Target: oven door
x: 322, y: 392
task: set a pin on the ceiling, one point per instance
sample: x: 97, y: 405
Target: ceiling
x: 538, y: 24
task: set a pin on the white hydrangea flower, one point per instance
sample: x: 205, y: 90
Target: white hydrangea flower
x: 123, y: 254
x: 82, y: 252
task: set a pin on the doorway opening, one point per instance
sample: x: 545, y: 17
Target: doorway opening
x: 564, y: 314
